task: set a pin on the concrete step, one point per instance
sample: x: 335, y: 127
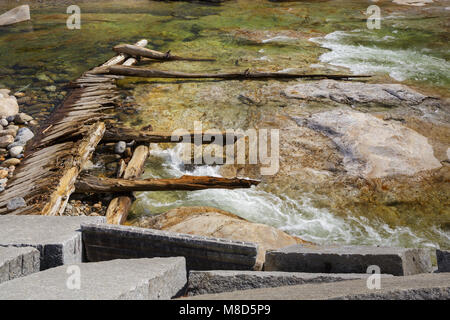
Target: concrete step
x: 217, y: 281
x: 18, y: 262
x: 416, y: 287
x: 105, y: 242
x: 348, y: 259
x: 158, y: 278
x: 58, y: 239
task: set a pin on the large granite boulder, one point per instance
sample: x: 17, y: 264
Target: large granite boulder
x: 212, y: 222
x: 372, y: 147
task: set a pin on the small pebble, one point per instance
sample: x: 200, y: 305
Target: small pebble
x: 120, y: 147
x: 16, y: 203
x: 15, y: 152
x: 50, y: 88
x: 98, y: 205
x: 11, y: 162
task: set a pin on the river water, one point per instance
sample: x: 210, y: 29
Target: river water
x: 412, y: 47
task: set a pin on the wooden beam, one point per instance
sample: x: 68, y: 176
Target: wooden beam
x: 138, y: 51
x: 136, y: 165
x: 245, y: 75
x: 87, y: 183
x: 124, y: 56
x: 125, y: 134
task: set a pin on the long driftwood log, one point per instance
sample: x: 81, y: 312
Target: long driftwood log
x: 244, y: 75
x: 87, y: 183
x: 125, y: 134
x: 138, y: 51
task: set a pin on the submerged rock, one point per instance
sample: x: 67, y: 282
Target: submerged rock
x: 15, y: 15
x: 372, y: 147
x: 217, y: 223
x: 355, y: 92
x: 22, y: 118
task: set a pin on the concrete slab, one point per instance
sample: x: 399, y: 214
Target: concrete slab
x: 416, y: 287
x: 158, y: 278
x: 18, y: 262
x: 217, y: 281
x: 58, y: 239
x: 348, y: 259
x: 443, y: 260
x: 105, y: 242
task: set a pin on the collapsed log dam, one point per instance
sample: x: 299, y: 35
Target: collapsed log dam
x: 53, y: 163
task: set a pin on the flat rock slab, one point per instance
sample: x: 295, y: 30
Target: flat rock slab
x: 348, y: 259
x: 443, y: 260
x: 18, y: 262
x: 58, y: 239
x: 353, y: 92
x: 158, y: 278
x: 217, y: 281
x: 417, y: 287
x: 106, y: 242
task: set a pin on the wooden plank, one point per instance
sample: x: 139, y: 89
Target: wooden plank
x: 59, y: 198
x: 125, y: 134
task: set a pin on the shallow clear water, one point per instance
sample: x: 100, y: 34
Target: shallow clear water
x: 412, y: 46
x: 297, y: 216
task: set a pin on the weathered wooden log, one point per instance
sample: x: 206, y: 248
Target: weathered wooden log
x: 58, y: 199
x: 117, y: 211
x: 138, y: 51
x: 87, y: 183
x: 123, y: 55
x: 126, y: 134
x: 245, y: 75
